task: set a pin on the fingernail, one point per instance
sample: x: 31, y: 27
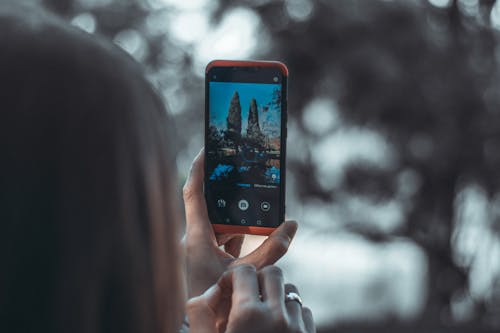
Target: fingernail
x: 291, y: 227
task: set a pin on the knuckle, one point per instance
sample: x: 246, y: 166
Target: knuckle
x: 192, y: 249
x: 245, y: 268
x: 289, y: 287
x: 280, y: 244
x: 194, y: 303
x: 273, y: 271
x: 187, y: 192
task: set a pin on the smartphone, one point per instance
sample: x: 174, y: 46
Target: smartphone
x: 245, y: 145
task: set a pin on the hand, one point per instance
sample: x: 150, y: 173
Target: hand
x: 236, y: 297
x: 205, y: 260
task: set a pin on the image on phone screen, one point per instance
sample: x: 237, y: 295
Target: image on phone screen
x: 243, y: 152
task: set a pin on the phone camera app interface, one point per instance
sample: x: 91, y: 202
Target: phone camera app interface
x: 243, y: 153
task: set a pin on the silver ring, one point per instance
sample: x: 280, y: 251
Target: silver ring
x: 291, y: 296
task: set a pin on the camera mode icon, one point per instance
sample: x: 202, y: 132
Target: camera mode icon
x: 265, y: 206
x: 221, y: 203
x: 243, y: 204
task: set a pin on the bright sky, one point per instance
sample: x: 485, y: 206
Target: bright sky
x: 222, y: 92
x: 233, y: 37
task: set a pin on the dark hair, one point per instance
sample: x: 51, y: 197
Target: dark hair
x: 88, y: 230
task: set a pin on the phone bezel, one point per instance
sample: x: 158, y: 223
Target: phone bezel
x: 254, y: 230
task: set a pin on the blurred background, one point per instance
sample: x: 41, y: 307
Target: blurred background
x: 394, y: 141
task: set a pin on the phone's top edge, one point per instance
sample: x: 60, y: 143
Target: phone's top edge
x: 247, y: 63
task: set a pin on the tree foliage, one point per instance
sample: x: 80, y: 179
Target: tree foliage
x: 233, y: 132
x: 427, y: 78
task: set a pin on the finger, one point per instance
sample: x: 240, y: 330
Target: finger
x: 221, y: 304
x: 197, y: 221
x: 240, y: 283
x: 308, y: 320
x: 212, y: 297
x: 272, y: 287
x: 201, y: 310
x: 222, y: 239
x: 294, y: 308
x: 273, y: 248
x: 233, y: 246
x: 245, y: 285
x: 222, y: 289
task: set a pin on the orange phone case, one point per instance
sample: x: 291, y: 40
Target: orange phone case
x: 234, y: 229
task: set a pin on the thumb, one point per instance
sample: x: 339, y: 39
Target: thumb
x: 197, y: 222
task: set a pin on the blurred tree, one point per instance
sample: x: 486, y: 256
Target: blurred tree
x: 426, y: 77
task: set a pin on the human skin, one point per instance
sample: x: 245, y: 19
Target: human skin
x: 252, y: 302
x: 205, y: 260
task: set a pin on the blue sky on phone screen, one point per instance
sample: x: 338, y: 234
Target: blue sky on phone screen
x: 220, y: 98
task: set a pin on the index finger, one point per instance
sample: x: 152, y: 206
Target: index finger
x: 273, y: 248
x: 240, y: 283
x: 245, y: 284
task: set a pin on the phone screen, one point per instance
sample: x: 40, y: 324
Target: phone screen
x: 245, y: 144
